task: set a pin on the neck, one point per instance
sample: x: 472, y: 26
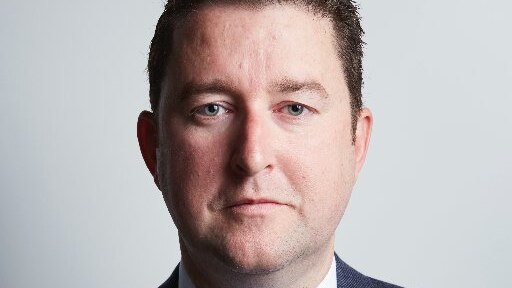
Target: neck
x: 304, y: 271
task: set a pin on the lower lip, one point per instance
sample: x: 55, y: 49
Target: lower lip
x: 255, y: 209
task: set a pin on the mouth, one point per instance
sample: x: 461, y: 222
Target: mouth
x: 255, y: 206
x: 250, y: 201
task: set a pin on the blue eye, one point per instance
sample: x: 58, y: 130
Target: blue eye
x: 210, y: 110
x: 295, y: 109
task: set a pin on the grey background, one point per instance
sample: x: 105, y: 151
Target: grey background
x: 79, y: 209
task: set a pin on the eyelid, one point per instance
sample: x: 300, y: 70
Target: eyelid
x: 286, y: 104
x: 221, y: 104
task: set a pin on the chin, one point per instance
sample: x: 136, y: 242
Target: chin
x: 259, y: 254
x: 257, y: 265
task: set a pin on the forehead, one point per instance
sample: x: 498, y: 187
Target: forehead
x: 251, y: 47
x: 223, y: 18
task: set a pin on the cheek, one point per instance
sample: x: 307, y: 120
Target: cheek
x: 322, y: 171
x: 192, y: 168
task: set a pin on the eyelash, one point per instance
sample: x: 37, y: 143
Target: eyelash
x: 284, y: 108
x: 197, y: 111
x: 288, y: 109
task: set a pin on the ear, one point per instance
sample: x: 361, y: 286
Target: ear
x: 148, y: 142
x: 362, y: 141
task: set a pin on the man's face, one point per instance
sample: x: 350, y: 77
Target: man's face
x: 255, y: 157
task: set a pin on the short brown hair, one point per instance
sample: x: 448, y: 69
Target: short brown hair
x: 343, y: 14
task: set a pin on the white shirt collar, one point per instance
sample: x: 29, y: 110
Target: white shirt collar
x: 329, y: 281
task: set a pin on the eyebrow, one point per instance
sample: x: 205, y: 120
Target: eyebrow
x: 287, y: 85
x: 215, y: 86
x: 283, y: 86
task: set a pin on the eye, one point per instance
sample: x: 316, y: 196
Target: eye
x: 295, y: 109
x: 210, y: 110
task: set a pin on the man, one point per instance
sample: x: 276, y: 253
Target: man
x: 256, y: 138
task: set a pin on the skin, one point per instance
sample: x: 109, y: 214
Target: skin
x: 255, y: 184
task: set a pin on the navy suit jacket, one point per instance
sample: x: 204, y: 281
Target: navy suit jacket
x: 347, y: 277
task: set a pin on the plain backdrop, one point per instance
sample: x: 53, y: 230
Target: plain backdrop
x: 79, y: 209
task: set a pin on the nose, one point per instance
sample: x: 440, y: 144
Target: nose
x: 253, y: 151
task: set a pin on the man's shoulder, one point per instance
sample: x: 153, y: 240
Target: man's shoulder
x: 172, y: 281
x: 348, y: 277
